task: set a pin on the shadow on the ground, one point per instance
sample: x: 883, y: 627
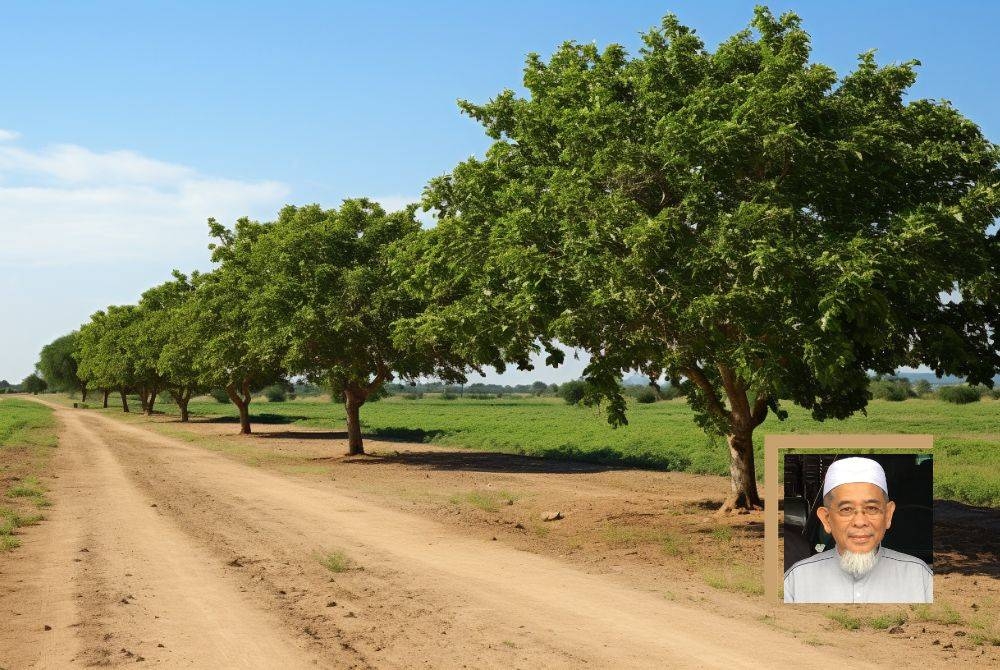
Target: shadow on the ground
x: 266, y: 419
x: 306, y: 435
x: 406, y: 434
x: 482, y: 461
x: 966, y: 539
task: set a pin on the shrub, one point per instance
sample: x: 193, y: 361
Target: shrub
x: 448, y: 395
x: 922, y: 387
x: 893, y: 389
x: 276, y: 393
x: 669, y: 392
x: 645, y: 395
x: 960, y: 395
x: 573, y: 392
x: 412, y: 395
x: 220, y: 395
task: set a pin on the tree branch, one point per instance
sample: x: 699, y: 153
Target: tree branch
x: 736, y: 392
x: 695, y: 374
x: 759, y: 412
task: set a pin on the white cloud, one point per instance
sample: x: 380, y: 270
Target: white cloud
x: 7, y: 135
x: 66, y: 204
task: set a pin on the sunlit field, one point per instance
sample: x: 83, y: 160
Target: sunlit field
x: 660, y: 435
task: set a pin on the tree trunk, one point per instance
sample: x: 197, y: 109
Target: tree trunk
x: 83, y: 393
x: 182, y: 399
x: 242, y: 403
x: 143, y: 397
x: 743, y: 480
x: 107, y: 392
x: 151, y: 402
x: 124, y: 401
x: 353, y: 400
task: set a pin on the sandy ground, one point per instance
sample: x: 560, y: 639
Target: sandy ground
x: 188, y: 546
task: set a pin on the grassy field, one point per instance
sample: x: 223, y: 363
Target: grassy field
x: 27, y: 436
x: 660, y: 435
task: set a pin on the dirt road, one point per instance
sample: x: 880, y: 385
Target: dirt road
x: 162, y: 552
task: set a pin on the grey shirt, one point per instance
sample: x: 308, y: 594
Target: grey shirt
x: 896, y: 578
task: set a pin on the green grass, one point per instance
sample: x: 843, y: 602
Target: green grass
x: 27, y: 436
x: 723, y: 534
x: 735, y: 578
x: 661, y: 435
x: 846, y: 620
x: 885, y: 621
x: 26, y: 423
x: 488, y: 501
x: 336, y: 561
x: 937, y: 613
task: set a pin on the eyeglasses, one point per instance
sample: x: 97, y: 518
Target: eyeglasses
x: 870, y: 511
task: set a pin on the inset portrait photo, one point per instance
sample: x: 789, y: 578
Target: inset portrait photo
x: 858, y: 528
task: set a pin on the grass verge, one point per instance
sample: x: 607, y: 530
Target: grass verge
x: 27, y: 438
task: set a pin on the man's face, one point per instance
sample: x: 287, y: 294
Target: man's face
x: 857, y: 516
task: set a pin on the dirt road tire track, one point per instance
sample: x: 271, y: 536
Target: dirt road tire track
x: 420, y: 596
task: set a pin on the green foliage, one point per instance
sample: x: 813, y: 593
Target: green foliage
x: 448, y: 395
x: 276, y: 393
x: 573, y: 392
x: 220, y: 395
x: 33, y: 384
x: 698, y: 214
x: 959, y: 395
x: 104, y: 348
x: 644, y: 395
x: 57, y: 363
x: 893, y: 389
x: 922, y: 387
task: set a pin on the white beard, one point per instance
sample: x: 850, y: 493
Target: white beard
x: 858, y: 564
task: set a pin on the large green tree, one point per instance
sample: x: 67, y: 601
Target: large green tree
x: 222, y: 311
x: 33, y: 384
x: 181, y: 337
x: 57, y: 364
x: 330, y: 302
x: 741, y: 220
x: 105, y: 351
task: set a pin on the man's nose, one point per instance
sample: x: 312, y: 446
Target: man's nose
x: 860, y: 520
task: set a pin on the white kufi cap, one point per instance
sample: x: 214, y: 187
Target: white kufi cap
x: 853, y: 470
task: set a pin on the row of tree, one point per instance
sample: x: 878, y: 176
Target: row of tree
x: 742, y: 221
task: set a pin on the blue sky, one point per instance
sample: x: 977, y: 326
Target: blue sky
x: 124, y: 125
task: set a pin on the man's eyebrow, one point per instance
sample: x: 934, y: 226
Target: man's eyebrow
x: 850, y: 502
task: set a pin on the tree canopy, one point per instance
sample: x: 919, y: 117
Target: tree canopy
x: 743, y: 221
x: 57, y: 365
x: 330, y: 302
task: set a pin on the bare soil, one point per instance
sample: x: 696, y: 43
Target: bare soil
x: 190, y: 546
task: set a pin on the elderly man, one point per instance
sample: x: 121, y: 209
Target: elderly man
x: 856, y: 512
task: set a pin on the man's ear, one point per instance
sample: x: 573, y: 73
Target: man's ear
x: 890, y: 507
x: 824, y: 516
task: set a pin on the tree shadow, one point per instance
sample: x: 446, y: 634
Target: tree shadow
x: 401, y: 434
x: 966, y: 539
x: 266, y: 419
x: 306, y: 435
x: 482, y: 461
